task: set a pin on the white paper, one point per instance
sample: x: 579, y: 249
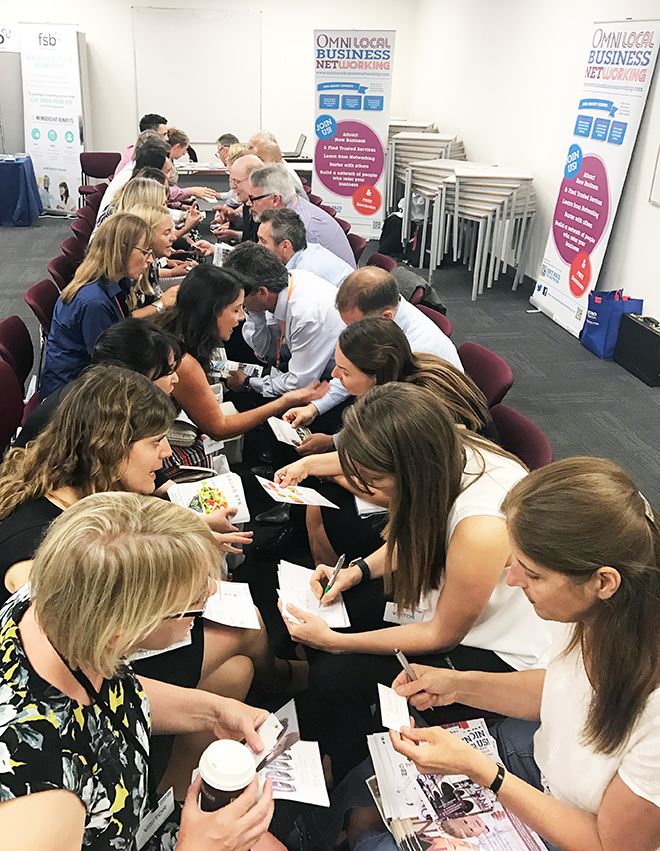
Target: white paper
x: 365, y: 508
x: 269, y: 732
x: 137, y: 655
x: 393, y: 708
x: 232, y: 605
x: 226, y: 490
x: 286, y: 433
x: 297, y: 775
x: 294, y: 588
x: 294, y: 494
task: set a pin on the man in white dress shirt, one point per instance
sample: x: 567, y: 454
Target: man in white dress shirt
x: 271, y: 188
x: 371, y: 291
x: 283, y: 233
x: 292, y: 323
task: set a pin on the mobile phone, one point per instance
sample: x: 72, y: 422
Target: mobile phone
x: 405, y: 664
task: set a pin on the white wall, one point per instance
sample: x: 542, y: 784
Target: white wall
x: 287, y: 58
x: 506, y: 75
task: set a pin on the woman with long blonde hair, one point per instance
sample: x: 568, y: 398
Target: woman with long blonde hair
x: 97, y: 297
x: 148, y: 297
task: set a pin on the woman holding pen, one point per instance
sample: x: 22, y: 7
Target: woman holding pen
x: 586, y: 553
x: 441, y: 566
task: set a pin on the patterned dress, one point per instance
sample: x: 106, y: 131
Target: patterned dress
x: 49, y: 741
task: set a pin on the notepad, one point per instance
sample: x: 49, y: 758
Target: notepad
x: 294, y: 588
x: 393, y: 708
x: 232, y: 605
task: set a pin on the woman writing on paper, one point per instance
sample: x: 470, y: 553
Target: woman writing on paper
x: 442, y: 563
x: 586, y: 553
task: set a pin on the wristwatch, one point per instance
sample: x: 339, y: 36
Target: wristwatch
x: 159, y: 305
x: 246, y: 383
x: 364, y: 568
x: 499, y: 779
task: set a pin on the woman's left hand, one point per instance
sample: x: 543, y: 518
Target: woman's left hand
x: 169, y: 296
x: 312, y: 630
x: 219, y: 520
x: 225, y: 541
x: 437, y: 751
x: 236, y: 720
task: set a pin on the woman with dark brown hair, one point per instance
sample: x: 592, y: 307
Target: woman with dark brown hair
x: 586, y: 553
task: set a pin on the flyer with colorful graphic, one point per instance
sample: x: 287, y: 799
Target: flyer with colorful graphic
x: 352, y: 104
x: 609, y: 108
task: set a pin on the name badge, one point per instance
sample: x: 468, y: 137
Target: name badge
x: 403, y: 616
x: 155, y: 819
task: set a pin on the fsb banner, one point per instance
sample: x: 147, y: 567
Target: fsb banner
x: 353, y: 81
x: 52, y: 103
x: 609, y: 108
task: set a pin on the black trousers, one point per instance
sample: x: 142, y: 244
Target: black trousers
x: 336, y: 710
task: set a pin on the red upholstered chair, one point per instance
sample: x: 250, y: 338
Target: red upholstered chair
x: 315, y: 199
x: 328, y: 209
x: 73, y: 249
x: 83, y: 231
x: 382, y: 261
x: 417, y: 295
x: 94, y: 199
x: 489, y: 371
x: 344, y: 225
x: 61, y: 271
x: 41, y: 298
x: 87, y: 214
x: 11, y: 405
x: 522, y: 437
x: 97, y: 164
x: 440, y: 319
x: 358, y: 245
x: 16, y: 349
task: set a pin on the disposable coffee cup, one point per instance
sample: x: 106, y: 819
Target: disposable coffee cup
x: 227, y: 769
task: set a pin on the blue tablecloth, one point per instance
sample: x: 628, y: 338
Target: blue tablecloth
x: 20, y: 204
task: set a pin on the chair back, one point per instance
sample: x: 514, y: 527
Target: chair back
x: 382, y: 261
x: 87, y: 214
x: 82, y: 230
x: 489, y: 371
x: 11, y: 405
x: 315, y: 199
x: 358, y: 244
x: 93, y: 199
x: 16, y: 347
x: 522, y: 437
x: 343, y: 224
x: 73, y: 249
x: 61, y: 271
x: 99, y: 164
x: 417, y: 296
x: 41, y: 298
x: 438, y: 318
x: 328, y: 209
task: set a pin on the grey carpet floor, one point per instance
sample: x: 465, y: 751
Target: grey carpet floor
x: 586, y: 406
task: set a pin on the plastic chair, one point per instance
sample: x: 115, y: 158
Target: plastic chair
x: 315, y: 199
x: 358, y: 244
x: 489, y: 371
x: 417, y: 296
x: 382, y: 261
x: 17, y: 350
x: 97, y: 164
x: 73, y: 249
x: 61, y: 271
x: 440, y: 319
x: 328, y: 209
x: 83, y: 231
x: 11, y: 405
x: 343, y: 224
x: 522, y: 437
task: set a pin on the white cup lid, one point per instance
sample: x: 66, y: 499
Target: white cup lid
x: 227, y: 765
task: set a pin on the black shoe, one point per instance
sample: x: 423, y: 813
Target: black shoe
x: 279, y: 514
x: 282, y: 537
x: 266, y: 472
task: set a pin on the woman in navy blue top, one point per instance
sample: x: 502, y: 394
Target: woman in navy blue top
x: 99, y: 295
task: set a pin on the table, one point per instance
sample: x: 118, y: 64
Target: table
x: 20, y: 204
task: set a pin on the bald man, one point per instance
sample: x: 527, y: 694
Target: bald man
x: 239, y: 180
x: 270, y: 153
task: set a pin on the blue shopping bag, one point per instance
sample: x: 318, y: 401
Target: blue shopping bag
x: 604, y: 313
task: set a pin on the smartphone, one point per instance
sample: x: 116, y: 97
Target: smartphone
x: 405, y: 664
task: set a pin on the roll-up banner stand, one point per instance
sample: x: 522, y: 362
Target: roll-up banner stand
x: 352, y: 108
x: 52, y: 101
x: 621, y: 58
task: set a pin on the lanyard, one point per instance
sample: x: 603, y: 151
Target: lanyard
x: 283, y: 325
x: 123, y: 315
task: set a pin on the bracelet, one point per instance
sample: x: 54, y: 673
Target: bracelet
x: 499, y: 779
x: 364, y: 568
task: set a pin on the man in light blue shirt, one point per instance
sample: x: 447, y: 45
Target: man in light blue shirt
x: 283, y: 233
x: 371, y: 291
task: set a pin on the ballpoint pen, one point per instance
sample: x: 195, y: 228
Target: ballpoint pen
x: 333, y: 576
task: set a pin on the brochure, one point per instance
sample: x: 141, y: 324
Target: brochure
x: 225, y: 491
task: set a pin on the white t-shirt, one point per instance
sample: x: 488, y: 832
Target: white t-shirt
x: 508, y: 625
x: 572, y: 770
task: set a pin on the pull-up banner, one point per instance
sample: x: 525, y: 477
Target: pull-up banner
x: 352, y: 103
x: 52, y: 105
x: 609, y: 107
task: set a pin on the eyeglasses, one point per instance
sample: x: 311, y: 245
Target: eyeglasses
x: 144, y: 251
x: 193, y: 613
x: 253, y: 198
